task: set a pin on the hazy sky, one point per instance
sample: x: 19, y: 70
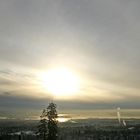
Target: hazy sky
x: 99, y: 39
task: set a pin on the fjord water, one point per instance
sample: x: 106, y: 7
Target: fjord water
x: 101, y: 114
x: 74, y: 114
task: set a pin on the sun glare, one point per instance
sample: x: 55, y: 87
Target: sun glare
x: 61, y: 82
x: 62, y: 119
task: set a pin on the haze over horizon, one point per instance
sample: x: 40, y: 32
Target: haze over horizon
x: 97, y: 39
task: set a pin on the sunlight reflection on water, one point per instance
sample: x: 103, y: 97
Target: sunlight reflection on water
x: 72, y: 115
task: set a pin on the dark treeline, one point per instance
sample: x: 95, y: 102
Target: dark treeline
x: 90, y: 133
x: 83, y: 133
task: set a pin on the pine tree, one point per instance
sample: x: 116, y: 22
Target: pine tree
x: 42, y: 128
x: 52, y: 122
x: 48, y: 123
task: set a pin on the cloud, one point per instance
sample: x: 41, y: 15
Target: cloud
x: 9, y: 102
x: 6, y: 93
x: 99, y: 39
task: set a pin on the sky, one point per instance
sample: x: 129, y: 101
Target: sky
x: 98, y: 39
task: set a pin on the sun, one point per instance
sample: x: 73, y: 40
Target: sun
x: 61, y: 82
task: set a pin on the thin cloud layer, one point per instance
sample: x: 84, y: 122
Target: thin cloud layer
x: 99, y: 39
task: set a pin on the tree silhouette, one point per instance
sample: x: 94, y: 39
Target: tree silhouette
x: 42, y: 128
x: 52, y: 122
x: 47, y: 128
